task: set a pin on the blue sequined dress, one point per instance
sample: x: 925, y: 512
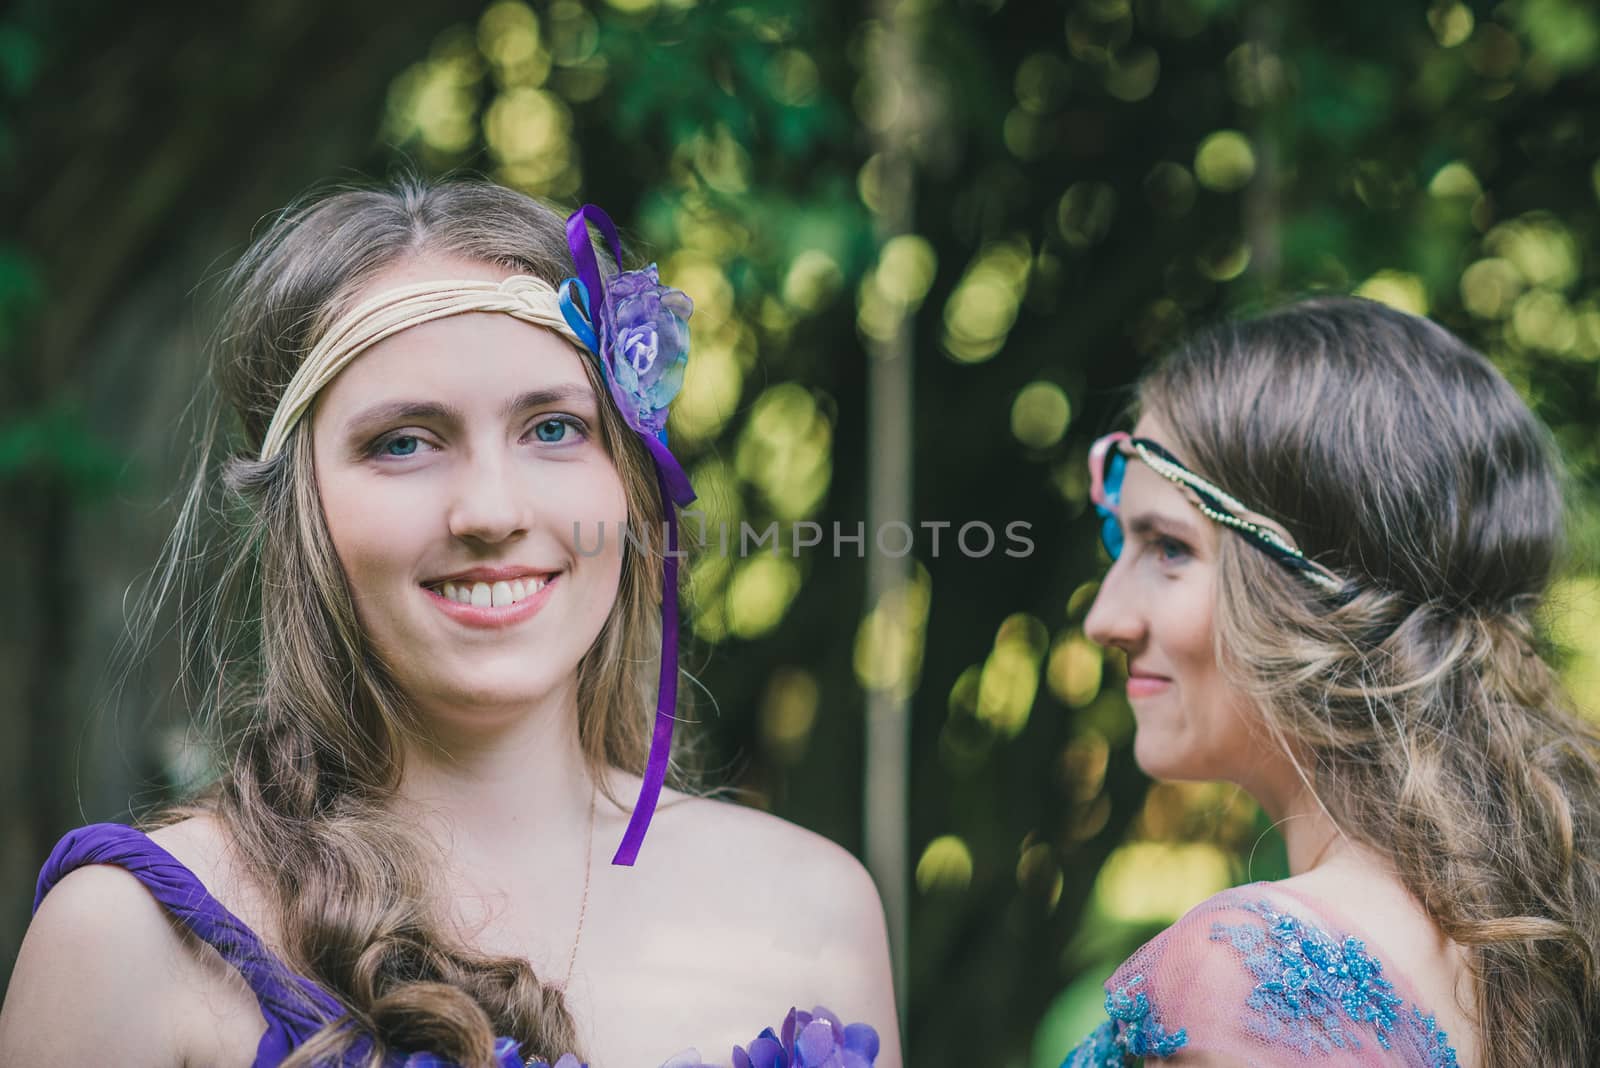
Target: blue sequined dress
x: 1243, y: 977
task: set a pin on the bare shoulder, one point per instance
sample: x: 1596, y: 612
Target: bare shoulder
x: 199, y: 843
x: 96, y: 977
x: 809, y: 888
x: 814, y: 869
x: 223, y: 1020
x: 202, y: 844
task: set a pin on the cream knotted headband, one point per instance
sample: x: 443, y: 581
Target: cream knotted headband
x: 533, y: 300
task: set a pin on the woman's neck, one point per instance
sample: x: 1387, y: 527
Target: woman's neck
x: 519, y: 784
x: 1310, y: 836
x: 1309, y: 832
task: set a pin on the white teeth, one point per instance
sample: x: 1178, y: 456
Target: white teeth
x: 496, y: 595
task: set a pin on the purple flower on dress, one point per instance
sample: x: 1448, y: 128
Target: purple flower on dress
x: 807, y: 1040
x: 506, y: 1056
x: 648, y: 325
x: 811, y: 1040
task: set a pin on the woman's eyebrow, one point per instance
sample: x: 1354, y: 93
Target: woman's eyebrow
x: 392, y: 411
x: 1144, y: 523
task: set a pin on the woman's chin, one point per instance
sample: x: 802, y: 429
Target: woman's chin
x: 490, y: 694
x: 1158, y: 758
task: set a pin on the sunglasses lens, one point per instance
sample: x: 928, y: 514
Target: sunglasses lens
x: 1111, y: 534
x: 1110, y: 525
x: 1116, y: 467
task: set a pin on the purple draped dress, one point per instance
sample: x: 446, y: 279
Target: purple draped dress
x: 296, y: 1007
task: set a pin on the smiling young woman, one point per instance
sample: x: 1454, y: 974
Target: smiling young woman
x: 433, y: 698
x: 1331, y: 529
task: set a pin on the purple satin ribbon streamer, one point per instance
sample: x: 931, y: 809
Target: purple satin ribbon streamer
x: 675, y: 489
x: 673, y: 485
x: 655, y: 772
x: 588, y: 267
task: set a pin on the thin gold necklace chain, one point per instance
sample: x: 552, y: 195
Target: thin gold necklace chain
x: 583, y: 905
x: 583, y: 908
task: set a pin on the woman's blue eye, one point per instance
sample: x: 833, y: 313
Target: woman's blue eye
x: 407, y: 440
x: 557, y: 429
x: 1171, y: 550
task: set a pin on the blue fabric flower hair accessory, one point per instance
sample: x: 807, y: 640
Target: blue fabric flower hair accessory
x: 636, y: 327
x: 650, y: 349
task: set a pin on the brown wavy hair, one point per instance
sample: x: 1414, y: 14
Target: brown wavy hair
x: 1419, y: 707
x: 307, y: 719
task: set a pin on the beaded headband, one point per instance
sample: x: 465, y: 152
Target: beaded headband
x: 637, y: 331
x: 1214, y: 503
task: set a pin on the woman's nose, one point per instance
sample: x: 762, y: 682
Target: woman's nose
x: 1116, y: 618
x: 490, y: 502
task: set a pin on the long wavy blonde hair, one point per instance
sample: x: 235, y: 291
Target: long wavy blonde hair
x: 1421, y: 711
x: 307, y: 718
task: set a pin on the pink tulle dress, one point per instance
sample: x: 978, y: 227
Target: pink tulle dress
x: 1251, y: 976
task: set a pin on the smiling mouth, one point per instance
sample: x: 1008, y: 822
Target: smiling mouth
x: 491, y: 594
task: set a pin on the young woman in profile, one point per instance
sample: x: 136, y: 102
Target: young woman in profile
x: 1331, y: 528
x: 440, y: 674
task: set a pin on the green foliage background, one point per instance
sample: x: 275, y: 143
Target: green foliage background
x: 1088, y: 180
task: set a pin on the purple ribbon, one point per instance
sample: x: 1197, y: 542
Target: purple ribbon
x: 655, y: 772
x: 588, y: 268
x: 673, y: 485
